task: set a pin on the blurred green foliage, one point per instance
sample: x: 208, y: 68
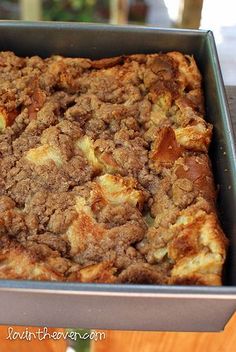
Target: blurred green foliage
x: 80, y: 345
x: 69, y: 10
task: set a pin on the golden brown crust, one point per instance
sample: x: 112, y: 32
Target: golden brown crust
x: 197, y: 169
x: 6, y: 118
x: 104, y: 171
x: 18, y: 263
x: 165, y: 149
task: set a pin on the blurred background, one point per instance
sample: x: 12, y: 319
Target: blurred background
x: 219, y: 16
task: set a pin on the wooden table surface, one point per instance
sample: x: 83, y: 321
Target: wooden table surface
x: 133, y: 341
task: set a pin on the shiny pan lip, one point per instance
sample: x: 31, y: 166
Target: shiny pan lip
x: 117, y: 290
x: 21, y: 301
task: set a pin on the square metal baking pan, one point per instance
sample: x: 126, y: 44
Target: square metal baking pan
x: 132, y: 307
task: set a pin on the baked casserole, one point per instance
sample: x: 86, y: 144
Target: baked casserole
x: 104, y: 171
